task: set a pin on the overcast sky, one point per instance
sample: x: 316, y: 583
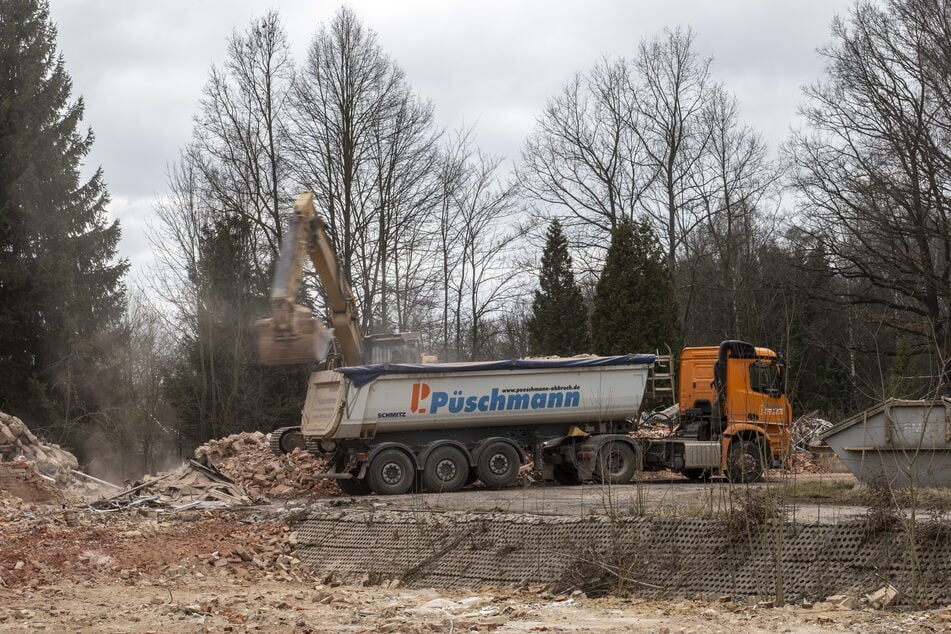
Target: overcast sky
x: 141, y: 66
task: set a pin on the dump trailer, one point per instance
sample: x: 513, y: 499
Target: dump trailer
x: 387, y: 427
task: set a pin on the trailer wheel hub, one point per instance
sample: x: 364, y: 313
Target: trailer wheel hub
x: 446, y: 470
x: 392, y: 473
x: 499, y: 464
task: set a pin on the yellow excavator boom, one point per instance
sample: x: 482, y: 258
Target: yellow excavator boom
x: 292, y: 334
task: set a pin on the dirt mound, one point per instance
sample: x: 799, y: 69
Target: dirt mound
x: 247, y: 459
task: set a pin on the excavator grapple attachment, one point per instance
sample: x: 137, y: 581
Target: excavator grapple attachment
x: 307, y: 342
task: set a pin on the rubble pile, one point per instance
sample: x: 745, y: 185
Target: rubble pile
x: 20, y: 482
x: 248, y: 460
x: 806, y: 429
x: 805, y: 462
x: 193, y: 485
x: 651, y: 429
x: 16, y: 440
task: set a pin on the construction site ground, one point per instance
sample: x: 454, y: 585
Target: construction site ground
x: 240, y: 540
x: 236, y: 571
x: 142, y: 570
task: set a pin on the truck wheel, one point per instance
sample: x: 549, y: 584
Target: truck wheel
x: 446, y: 470
x: 498, y: 465
x: 697, y: 475
x: 353, y: 486
x: 744, y: 461
x: 616, y: 463
x: 391, y: 472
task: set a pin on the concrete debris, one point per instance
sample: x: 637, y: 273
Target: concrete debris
x: 19, y: 479
x: 654, y: 426
x: 16, y: 440
x: 193, y: 485
x: 883, y: 597
x: 806, y: 462
x: 234, y: 471
x: 843, y: 602
x: 806, y: 430
x: 247, y: 459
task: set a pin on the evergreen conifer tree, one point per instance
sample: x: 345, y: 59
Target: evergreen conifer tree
x: 61, y: 291
x: 635, y: 308
x: 559, y: 320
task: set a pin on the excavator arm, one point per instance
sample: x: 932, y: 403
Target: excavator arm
x: 337, y: 288
x: 292, y: 334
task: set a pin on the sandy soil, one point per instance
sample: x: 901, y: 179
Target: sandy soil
x: 218, y: 602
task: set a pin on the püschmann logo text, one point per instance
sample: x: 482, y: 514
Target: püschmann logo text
x: 426, y: 401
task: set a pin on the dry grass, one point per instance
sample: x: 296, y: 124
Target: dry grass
x: 750, y: 509
x: 818, y: 490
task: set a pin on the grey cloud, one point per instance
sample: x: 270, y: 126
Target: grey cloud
x: 141, y: 66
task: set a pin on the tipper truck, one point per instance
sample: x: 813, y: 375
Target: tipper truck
x: 389, y: 427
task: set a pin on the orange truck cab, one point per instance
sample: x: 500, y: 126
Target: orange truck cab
x: 734, y: 415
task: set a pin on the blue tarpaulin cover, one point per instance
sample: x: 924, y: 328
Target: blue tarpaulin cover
x: 363, y: 374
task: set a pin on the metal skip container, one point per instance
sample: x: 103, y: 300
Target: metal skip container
x: 900, y: 443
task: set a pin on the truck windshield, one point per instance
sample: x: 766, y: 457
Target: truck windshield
x: 764, y: 378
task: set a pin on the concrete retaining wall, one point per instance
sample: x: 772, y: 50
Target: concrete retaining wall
x: 664, y: 556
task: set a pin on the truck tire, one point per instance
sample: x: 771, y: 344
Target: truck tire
x: 446, y: 470
x: 498, y: 465
x: 353, y: 486
x: 391, y: 472
x: 744, y: 461
x: 616, y: 463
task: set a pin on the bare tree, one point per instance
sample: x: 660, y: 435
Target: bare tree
x: 239, y: 142
x: 146, y: 416
x: 401, y: 174
x: 872, y: 167
x: 483, y: 278
x: 472, y: 238
x: 736, y: 192
x: 364, y: 144
x: 585, y: 157
x: 625, y: 139
x: 670, y: 92
x: 454, y: 161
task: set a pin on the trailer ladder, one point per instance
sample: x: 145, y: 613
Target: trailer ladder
x: 660, y: 379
